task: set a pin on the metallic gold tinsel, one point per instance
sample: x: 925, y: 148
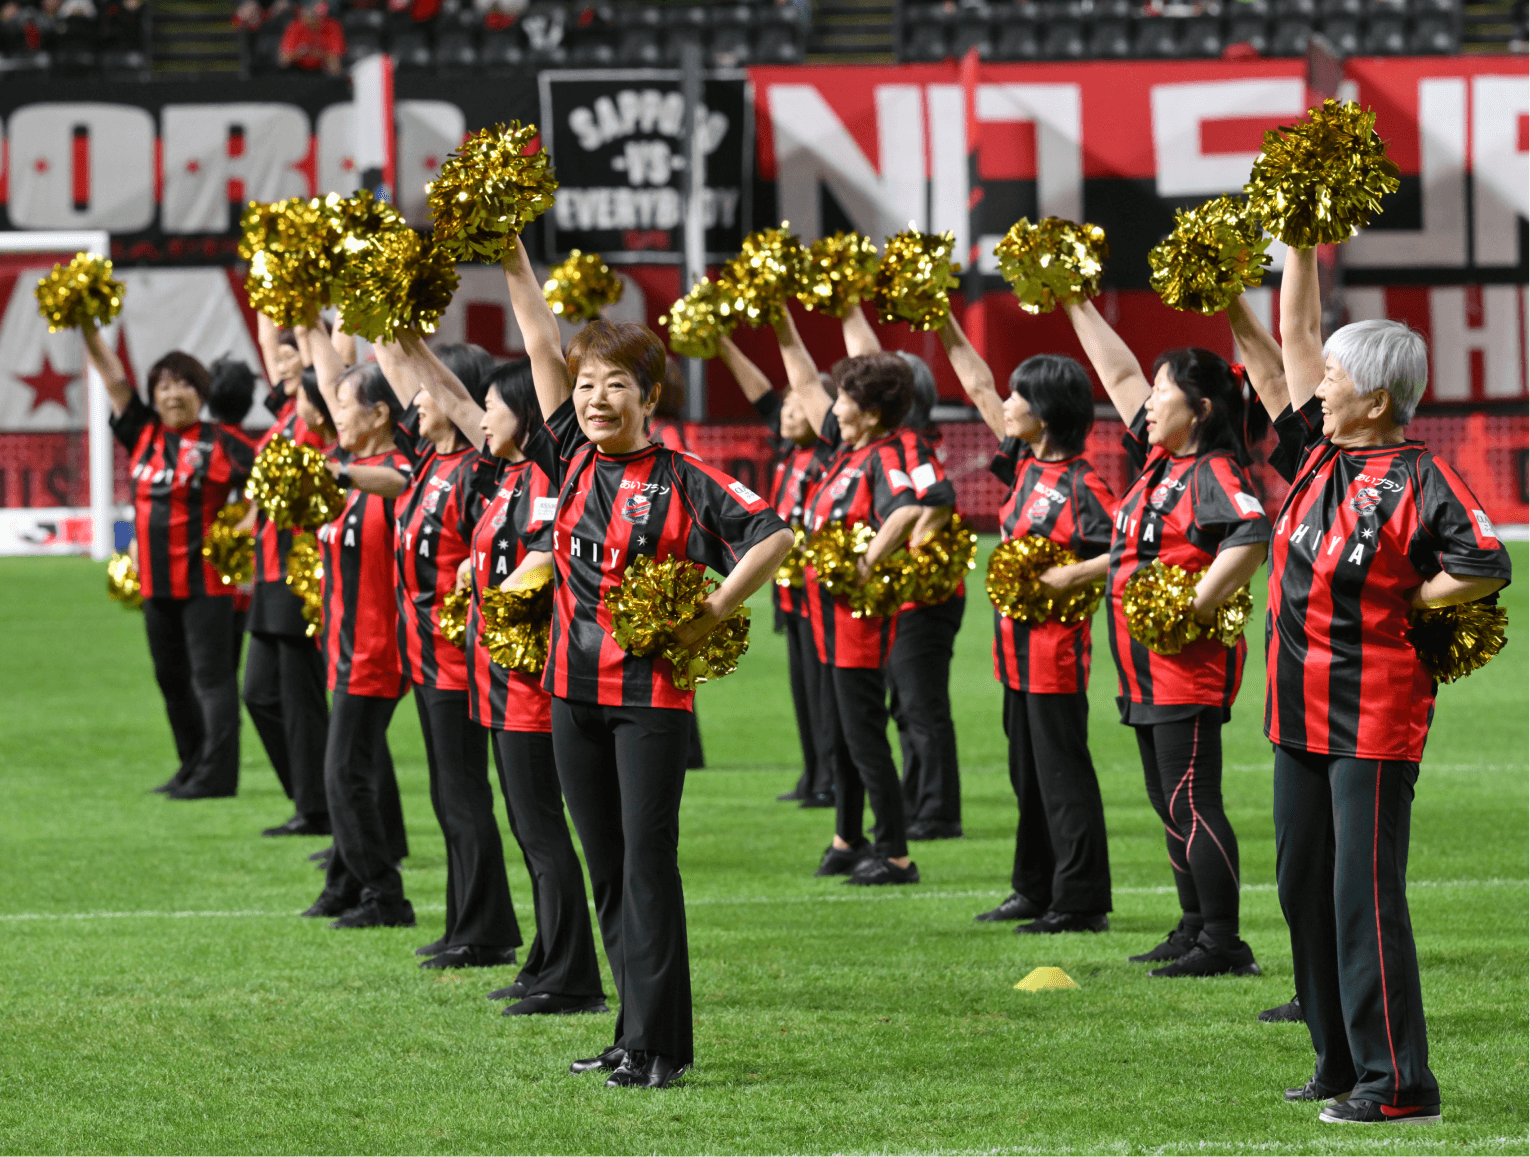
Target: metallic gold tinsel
x: 290, y: 246
x: 701, y: 319
x: 834, y: 553
x: 656, y: 597
x: 1157, y: 603
x: 579, y: 285
x: 1452, y: 642
x: 514, y: 623
x: 1232, y: 618
x: 1014, y: 587
x: 841, y: 271
x: 790, y: 572
x: 452, y: 617
x: 1053, y: 262
x: 488, y: 191
x: 305, y: 575
x: 81, y: 291
x: 230, y: 550
x: 1323, y: 180
x: 767, y: 272
x: 292, y: 484
x: 394, y: 280
x: 1215, y: 252
x: 942, y: 560
x: 122, y: 581
x: 915, y: 277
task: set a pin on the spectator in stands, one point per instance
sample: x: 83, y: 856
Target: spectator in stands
x: 313, y: 41
x: 21, y: 31
x: 499, y: 14
x: 122, y: 26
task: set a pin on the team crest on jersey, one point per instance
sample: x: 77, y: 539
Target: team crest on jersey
x: 1160, y: 495
x: 636, y: 508
x: 1039, y: 509
x: 841, y: 486
x: 432, y: 500
x: 1365, y: 500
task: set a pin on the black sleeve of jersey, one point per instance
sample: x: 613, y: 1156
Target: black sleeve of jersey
x: 828, y: 434
x: 1227, y: 512
x: 768, y: 407
x: 1092, y: 525
x: 1295, y: 431
x: 1455, y: 535
x: 129, y: 425
x: 1004, y: 461
x: 1134, y: 441
x: 275, y: 399
x: 728, y: 519
x: 406, y: 435
x: 884, y: 498
x: 241, y: 456
x: 554, y: 442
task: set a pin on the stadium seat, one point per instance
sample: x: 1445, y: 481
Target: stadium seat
x: 1290, y: 38
x: 1157, y: 37
x: 1343, y: 34
x: 1433, y: 35
x: 455, y: 36
x: 363, y: 33
x: 502, y: 47
x: 1385, y: 36
x: 676, y: 40
x: 1064, y: 41
x: 1289, y: 10
x: 410, y: 45
x: 970, y: 35
x: 1200, y: 36
x: 266, y: 45
x: 1251, y: 30
x: 924, y: 39
x: 779, y: 44
x: 639, y: 46
x: 1110, y: 39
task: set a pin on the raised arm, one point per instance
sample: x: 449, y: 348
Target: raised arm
x: 106, y: 363
x: 750, y: 378
x: 344, y: 343
x: 860, y: 338
x: 327, y: 366
x: 1261, y: 356
x: 1113, y: 361
x: 1301, y: 326
x: 539, y: 330
x: 270, y: 347
x: 802, y: 374
x: 401, y: 375
x: 975, y: 376
x: 444, y: 387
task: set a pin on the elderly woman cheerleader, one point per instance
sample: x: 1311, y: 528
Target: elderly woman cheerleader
x: 183, y: 470
x: 1192, y: 507
x: 1061, y: 875
x: 1374, y: 530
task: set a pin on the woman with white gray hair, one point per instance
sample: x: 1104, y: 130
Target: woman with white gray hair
x: 1375, y: 527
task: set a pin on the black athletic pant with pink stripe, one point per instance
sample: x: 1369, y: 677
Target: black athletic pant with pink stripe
x: 1182, y: 764
x: 1341, y: 860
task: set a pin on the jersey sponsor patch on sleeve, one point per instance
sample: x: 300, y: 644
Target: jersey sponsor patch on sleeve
x: 1484, y: 524
x: 1247, y: 503
x: 745, y: 495
x: 923, y: 476
x: 543, y: 509
x: 898, y: 480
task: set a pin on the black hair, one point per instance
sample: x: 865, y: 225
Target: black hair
x: 231, y: 391
x: 182, y: 365
x: 881, y: 381
x: 513, y: 384
x: 1205, y: 376
x: 472, y: 364
x: 925, y: 394
x: 372, y: 389
x: 315, y: 396
x: 1058, y: 391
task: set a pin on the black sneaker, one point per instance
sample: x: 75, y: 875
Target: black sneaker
x: 470, y: 956
x: 298, y: 826
x: 329, y: 904
x: 1174, y: 945
x: 842, y: 861
x: 514, y: 992
x: 550, y: 1004
x: 1312, y: 1091
x: 1054, y: 922
x: 1284, y: 1012
x: 1357, y: 1112
x: 372, y: 914
x: 1210, y: 959
x: 881, y: 870
x: 1017, y: 907
x: 935, y: 830
x: 818, y: 799
x: 434, y: 948
x: 323, y: 856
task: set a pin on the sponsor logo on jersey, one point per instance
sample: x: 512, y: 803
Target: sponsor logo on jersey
x: 745, y: 495
x: 923, y: 476
x: 544, y: 508
x: 1484, y: 524
x: 1247, y: 503
x: 1365, y: 500
x: 1379, y: 482
x: 898, y: 480
x: 1039, y: 509
x: 636, y: 509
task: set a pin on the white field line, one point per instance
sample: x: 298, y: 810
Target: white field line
x: 704, y: 901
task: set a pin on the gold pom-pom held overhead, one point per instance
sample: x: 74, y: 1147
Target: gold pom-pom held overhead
x: 767, y: 272
x: 579, y: 285
x: 841, y: 272
x: 915, y: 278
x: 834, y: 552
x: 292, y: 484
x: 230, y: 550
x: 1015, y: 588
x: 941, y: 562
x: 83, y: 290
x: 305, y: 576
x: 1215, y: 252
x: 1321, y: 181
x: 290, y: 246
x: 1452, y: 642
x: 122, y: 584
x: 1052, y: 262
x: 514, y: 623
x: 658, y: 596
x: 452, y: 617
x: 701, y: 319
x: 488, y: 191
x: 393, y: 281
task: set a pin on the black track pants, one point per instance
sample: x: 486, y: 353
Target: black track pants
x: 623, y: 771
x: 191, y: 643
x: 358, y: 777
x: 1182, y: 764
x: 855, y: 716
x: 284, y: 694
x: 562, y: 959
x: 1341, y: 860
x: 478, y: 907
x: 1061, y: 858
x: 919, y: 679
x: 807, y: 674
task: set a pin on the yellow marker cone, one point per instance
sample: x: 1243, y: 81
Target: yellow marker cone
x: 1046, y: 978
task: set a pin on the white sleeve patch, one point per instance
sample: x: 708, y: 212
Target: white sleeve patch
x: 923, y: 476
x: 1484, y: 524
x: 543, y: 509
x: 898, y: 480
x: 745, y: 495
x: 1247, y: 503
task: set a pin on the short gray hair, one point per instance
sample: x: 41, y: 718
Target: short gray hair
x: 1383, y: 355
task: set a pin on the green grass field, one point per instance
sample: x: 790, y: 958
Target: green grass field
x: 160, y: 994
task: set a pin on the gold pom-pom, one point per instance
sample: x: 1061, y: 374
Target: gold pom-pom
x: 1323, y: 180
x: 1017, y: 592
x: 291, y: 482
x: 488, y: 191
x: 1232, y: 618
x: 657, y: 597
x: 579, y: 285
x: 305, y: 575
x: 1158, y: 601
x: 452, y: 617
x: 514, y: 623
x: 230, y: 550
x: 1452, y: 642
x: 1215, y: 252
x: 841, y: 271
x: 791, y: 571
x: 701, y: 319
x: 766, y: 273
x: 834, y: 553
x: 392, y: 281
x: 290, y: 246
x: 84, y: 290
x: 941, y: 561
x: 1053, y: 262
x: 915, y: 278
x: 122, y: 584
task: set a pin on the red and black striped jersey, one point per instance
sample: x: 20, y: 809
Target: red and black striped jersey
x: 520, y: 504
x: 793, y: 472
x: 181, y: 479
x: 360, y: 608
x: 1069, y: 503
x: 1360, y: 530
x: 610, y: 509
x: 271, y: 544
x: 1184, y: 510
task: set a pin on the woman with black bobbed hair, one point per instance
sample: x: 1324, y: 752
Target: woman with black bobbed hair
x: 1061, y: 874
x: 1192, y: 506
